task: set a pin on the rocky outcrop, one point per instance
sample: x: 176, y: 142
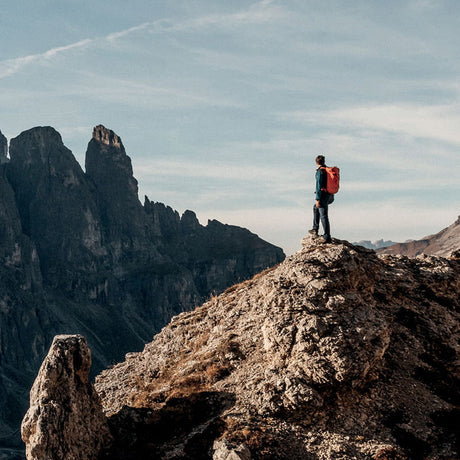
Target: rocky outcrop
x: 124, y: 220
x: 334, y: 354
x: 440, y: 244
x: 80, y: 254
x: 65, y: 419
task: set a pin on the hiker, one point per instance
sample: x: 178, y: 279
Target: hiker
x: 322, y: 202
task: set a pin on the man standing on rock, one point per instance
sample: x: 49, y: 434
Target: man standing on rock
x: 323, y: 200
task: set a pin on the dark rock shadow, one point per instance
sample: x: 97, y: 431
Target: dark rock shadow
x: 184, y: 428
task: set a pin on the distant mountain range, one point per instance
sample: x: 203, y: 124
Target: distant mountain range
x: 378, y: 244
x: 441, y: 244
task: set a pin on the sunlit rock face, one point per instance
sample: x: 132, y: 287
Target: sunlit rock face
x: 335, y: 353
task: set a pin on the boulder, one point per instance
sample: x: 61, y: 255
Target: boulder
x: 65, y: 418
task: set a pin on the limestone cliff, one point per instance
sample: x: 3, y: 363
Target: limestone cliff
x: 336, y: 353
x: 57, y: 207
x: 79, y: 253
x: 21, y: 348
x: 123, y: 217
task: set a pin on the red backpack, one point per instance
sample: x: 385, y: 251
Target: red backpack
x: 333, y: 179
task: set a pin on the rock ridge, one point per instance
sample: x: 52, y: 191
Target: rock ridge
x: 336, y: 353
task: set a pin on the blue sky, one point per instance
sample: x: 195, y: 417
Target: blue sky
x: 223, y: 106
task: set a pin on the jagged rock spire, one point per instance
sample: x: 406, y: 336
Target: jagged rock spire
x: 109, y: 166
x: 106, y: 136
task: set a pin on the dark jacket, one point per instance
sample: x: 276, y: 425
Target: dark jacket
x: 321, y: 182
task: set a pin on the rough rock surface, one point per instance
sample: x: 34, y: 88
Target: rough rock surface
x: 122, y: 215
x: 3, y: 149
x: 57, y: 206
x: 79, y: 253
x: 65, y: 419
x: 20, y: 345
x: 441, y: 244
x: 334, y: 354
x: 222, y: 450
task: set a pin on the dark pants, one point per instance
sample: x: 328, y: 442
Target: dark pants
x: 321, y: 213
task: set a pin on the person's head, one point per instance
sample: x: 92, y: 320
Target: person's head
x: 320, y: 160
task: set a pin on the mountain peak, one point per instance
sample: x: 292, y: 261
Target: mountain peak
x: 109, y: 166
x: 107, y: 137
x: 35, y: 142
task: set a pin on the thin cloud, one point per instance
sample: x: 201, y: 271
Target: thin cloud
x: 61, y: 49
x: 147, y: 95
x: 400, y: 186
x: 436, y: 122
x: 202, y: 170
x: 287, y: 178
x: 117, y: 35
x: 11, y: 66
x: 439, y: 122
x: 260, y: 12
x: 352, y: 149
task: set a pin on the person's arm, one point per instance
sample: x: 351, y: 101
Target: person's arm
x: 320, y: 184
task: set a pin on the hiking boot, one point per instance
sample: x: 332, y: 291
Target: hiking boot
x: 313, y: 232
x: 325, y: 240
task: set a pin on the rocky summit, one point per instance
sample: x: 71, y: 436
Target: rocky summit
x: 336, y: 353
x: 80, y: 254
